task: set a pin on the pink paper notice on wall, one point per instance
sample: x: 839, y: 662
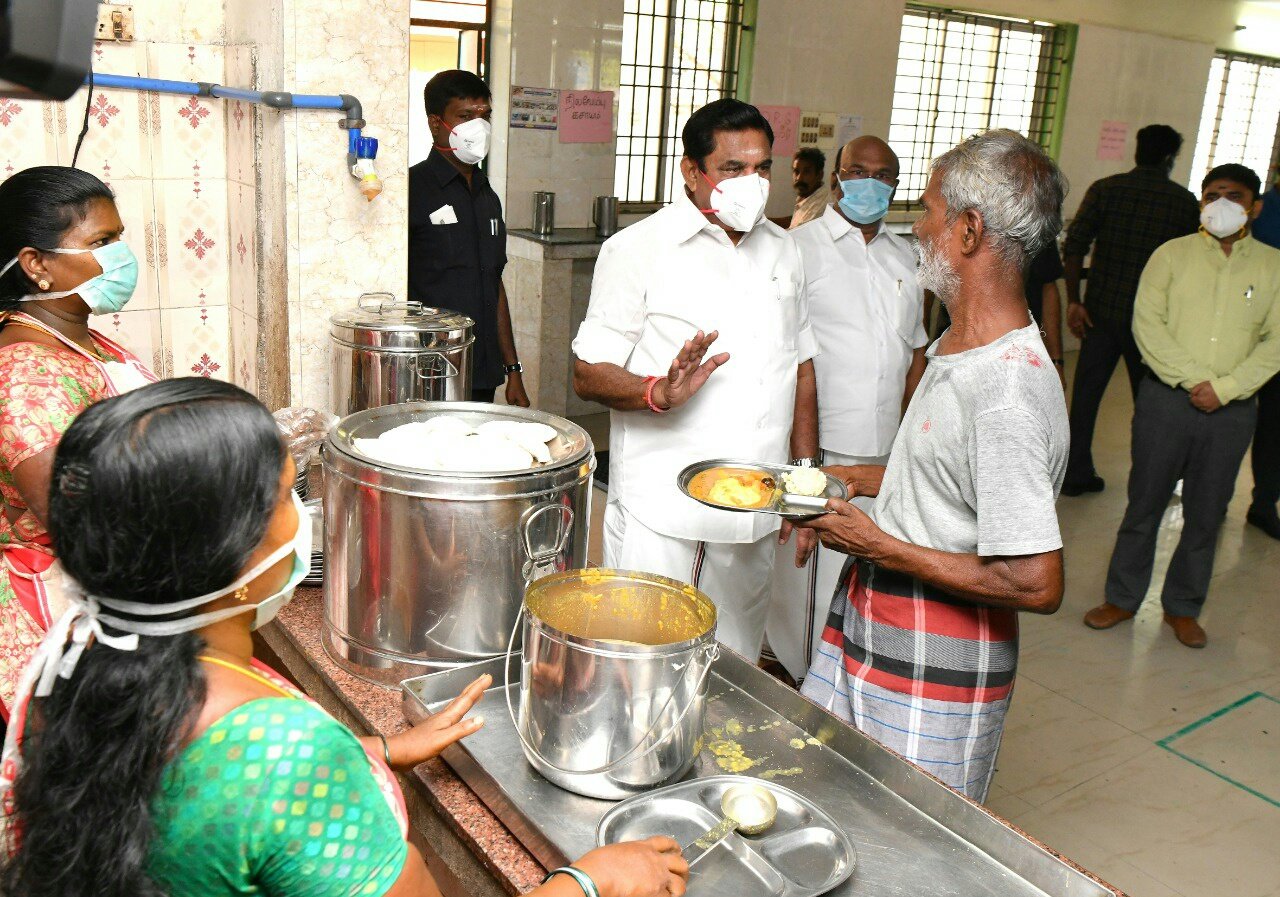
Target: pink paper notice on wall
x: 586, y: 116
x: 1111, y: 140
x: 785, y: 121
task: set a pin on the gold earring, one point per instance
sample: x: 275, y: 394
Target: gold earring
x: 242, y: 594
x: 44, y: 284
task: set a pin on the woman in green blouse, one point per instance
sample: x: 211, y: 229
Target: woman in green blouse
x: 148, y: 753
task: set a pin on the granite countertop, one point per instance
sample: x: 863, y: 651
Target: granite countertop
x: 378, y: 709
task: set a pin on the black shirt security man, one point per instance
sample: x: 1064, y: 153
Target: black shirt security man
x: 457, y: 237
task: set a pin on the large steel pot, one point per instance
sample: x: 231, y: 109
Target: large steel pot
x: 613, y: 680
x: 426, y: 570
x: 387, y: 352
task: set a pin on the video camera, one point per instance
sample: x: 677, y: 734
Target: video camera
x: 45, y: 47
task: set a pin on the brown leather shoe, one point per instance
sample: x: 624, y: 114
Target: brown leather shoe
x: 1187, y: 630
x: 1104, y: 616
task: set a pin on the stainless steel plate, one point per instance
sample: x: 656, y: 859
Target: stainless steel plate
x: 803, y: 854
x: 784, y: 504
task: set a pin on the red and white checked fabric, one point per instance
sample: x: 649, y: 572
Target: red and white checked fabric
x: 923, y: 673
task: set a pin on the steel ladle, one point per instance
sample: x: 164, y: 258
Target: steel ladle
x: 748, y: 808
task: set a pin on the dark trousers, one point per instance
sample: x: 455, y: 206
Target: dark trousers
x: 1103, y: 346
x: 484, y: 395
x: 1266, y: 447
x: 1173, y: 441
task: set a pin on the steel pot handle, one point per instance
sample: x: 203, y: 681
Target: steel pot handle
x: 711, y: 652
x: 543, y: 563
x: 380, y: 302
x: 435, y: 366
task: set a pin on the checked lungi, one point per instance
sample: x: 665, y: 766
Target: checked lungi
x: 923, y: 673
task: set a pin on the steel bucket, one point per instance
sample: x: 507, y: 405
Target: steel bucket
x: 614, y: 677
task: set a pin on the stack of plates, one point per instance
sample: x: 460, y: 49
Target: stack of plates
x: 316, y: 575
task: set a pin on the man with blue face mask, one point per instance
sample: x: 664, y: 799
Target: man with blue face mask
x: 866, y: 308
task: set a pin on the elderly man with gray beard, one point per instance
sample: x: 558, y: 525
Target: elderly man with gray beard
x: 921, y: 645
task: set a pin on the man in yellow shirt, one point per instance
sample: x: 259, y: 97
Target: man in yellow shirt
x: 1207, y: 320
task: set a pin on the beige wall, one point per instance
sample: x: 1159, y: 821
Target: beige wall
x: 840, y: 56
x: 1127, y: 76
x: 567, y: 45
x: 340, y: 245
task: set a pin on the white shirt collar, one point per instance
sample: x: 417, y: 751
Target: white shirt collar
x: 838, y: 226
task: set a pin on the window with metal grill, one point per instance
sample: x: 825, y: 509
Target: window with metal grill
x: 1241, y: 117
x: 677, y: 55
x: 961, y: 73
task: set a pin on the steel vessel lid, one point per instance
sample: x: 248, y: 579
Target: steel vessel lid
x: 570, y: 448
x: 379, y: 322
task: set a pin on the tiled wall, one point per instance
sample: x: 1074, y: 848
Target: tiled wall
x: 177, y: 166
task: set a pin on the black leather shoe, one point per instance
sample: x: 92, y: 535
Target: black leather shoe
x: 1269, y: 523
x: 1095, y: 483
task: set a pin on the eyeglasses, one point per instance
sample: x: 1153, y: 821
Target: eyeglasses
x: 856, y: 174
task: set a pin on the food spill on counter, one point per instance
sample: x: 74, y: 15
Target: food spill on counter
x: 778, y: 773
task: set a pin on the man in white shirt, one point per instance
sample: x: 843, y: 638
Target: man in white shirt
x: 808, y: 174
x: 707, y: 269
x: 867, y: 311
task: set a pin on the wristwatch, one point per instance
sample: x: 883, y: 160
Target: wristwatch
x: 804, y: 462
x: 516, y: 368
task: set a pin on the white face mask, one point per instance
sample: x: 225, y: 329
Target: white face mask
x: 263, y: 612
x: 67, y: 639
x: 1222, y: 217
x: 470, y: 140
x: 739, y: 202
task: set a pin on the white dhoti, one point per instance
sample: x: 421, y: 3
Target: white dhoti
x: 735, y: 576
x: 801, y: 597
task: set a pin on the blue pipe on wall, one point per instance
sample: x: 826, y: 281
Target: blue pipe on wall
x: 353, y: 121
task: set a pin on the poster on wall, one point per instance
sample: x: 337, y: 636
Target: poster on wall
x: 848, y: 127
x: 586, y: 116
x: 535, y: 107
x: 1111, y: 140
x: 785, y: 121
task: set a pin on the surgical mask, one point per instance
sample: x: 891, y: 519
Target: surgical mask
x: 470, y: 140
x: 865, y: 200
x: 1222, y: 217
x: 104, y: 293
x: 263, y: 612
x: 67, y: 639
x: 738, y: 202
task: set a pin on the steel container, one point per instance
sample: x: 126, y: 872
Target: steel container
x: 387, y: 352
x: 426, y: 570
x: 544, y: 213
x: 613, y: 681
x: 604, y: 215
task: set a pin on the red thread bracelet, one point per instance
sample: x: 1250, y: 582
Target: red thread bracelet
x: 648, y: 396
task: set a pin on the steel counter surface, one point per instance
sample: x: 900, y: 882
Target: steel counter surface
x: 915, y: 837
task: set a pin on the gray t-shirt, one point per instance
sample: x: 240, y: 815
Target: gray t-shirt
x: 980, y: 457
